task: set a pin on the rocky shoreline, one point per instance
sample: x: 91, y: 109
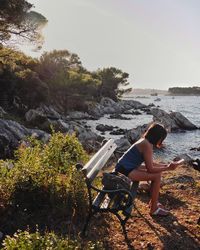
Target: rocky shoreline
x: 39, y: 123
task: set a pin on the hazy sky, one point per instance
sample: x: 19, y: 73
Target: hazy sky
x: 156, y: 42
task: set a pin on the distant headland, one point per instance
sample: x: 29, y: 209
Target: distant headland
x: 171, y: 91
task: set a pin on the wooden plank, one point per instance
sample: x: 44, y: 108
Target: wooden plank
x: 91, y: 163
x: 101, y: 162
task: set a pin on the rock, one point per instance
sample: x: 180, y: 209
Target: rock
x: 40, y: 135
x: 157, y: 100
x: 118, y: 116
x: 122, y: 144
x: 173, y: 121
x: 127, y: 112
x: 103, y: 128
x: 136, y: 113
x: 164, y: 118
x: 89, y: 139
x: 59, y: 125
x: 131, y: 104
x: 12, y: 133
x: 49, y: 112
x: 96, y: 110
x: 35, y: 117
x: 186, y: 157
x: 147, y: 110
x: 119, y: 131
x: 41, y: 115
x: 108, y: 106
x: 107, y: 102
x: 76, y: 115
x: 134, y: 134
x: 195, y: 149
x: 182, y: 121
x: 151, y: 105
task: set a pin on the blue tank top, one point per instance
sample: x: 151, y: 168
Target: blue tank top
x: 131, y: 159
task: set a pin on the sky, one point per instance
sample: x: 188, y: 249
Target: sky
x: 156, y: 42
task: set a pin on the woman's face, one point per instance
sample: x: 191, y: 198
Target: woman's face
x: 160, y: 144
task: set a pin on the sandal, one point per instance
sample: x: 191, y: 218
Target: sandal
x: 160, y: 212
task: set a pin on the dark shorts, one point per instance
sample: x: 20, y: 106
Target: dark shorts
x: 122, y: 170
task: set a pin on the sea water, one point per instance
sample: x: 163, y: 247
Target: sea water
x: 175, y: 143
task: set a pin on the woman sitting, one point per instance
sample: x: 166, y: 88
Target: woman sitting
x: 142, y: 151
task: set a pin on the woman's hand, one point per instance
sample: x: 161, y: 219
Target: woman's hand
x: 173, y: 165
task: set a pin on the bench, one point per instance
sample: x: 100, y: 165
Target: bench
x: 118, y: 200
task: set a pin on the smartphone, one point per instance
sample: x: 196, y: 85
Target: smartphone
x: 180, y: 161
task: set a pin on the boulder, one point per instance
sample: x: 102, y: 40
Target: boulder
x: 182, y: 121
x: 134, y: 134
x: 103, y: 128
x: 151, y: 105
x: 131, y: 104
x: 49, y: 112
x: 35, y: 117
x: 119, y: 131
x: 12, y: 133
x: 119, y: 117
x: 96, y: 110
x: 195, y: 149
x: 122, y: 144
x: 107, y: 102
x: 173, y: 121
x: 77, y: 115
x: 136, y: 112
x: 108, y: 106
x: 164, y: 118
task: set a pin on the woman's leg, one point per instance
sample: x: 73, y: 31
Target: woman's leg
x: 138, y: 175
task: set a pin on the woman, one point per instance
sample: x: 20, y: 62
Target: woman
x: 142, y: 151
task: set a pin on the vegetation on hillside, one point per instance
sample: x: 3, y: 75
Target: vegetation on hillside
x: 57, y: 78
x: 184, y: 90
x: 41, y: 188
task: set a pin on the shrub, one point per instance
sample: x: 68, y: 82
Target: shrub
x: 35, y: 241
x: 63, y: 151
x: 43, y: 186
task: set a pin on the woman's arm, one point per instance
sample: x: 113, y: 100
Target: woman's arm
x: 151, y: 166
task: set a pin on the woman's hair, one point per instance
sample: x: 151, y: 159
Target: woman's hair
x: 155, y: 133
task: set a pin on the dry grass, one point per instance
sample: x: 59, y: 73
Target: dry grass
x: 180, y: 194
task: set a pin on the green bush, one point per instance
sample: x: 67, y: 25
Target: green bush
x: 49, y: 241
x: 42, y: 185
x: 63, y: 151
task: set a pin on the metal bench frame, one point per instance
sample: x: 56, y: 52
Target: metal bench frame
x: 106, y: 200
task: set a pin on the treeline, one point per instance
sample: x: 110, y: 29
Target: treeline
x: 57, y: 77
x: 185, y: 90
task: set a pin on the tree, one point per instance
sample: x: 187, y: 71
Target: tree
x: 54, y: 65
x: 69, y: 83
x: 18, y: 78
x: 113, y: 81
x: 17, y: 20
